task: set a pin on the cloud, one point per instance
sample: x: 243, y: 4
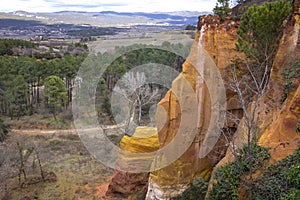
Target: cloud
x: 102, y: 5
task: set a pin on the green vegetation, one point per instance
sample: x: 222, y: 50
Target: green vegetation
x: 259, y: 34
x: 132, y: 56
x: 93, y: 32
x: 190, y: 27
x: 231, y: 176
x: 196, y: 190
x: 280, y: 181
x: 7, y: 45
x: 222, y: 9
x: 290, y: 74
x: 55, y: 93
x: 261, y: 30
x: 22, y: 78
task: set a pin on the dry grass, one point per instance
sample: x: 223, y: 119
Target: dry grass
x: 78, y: 174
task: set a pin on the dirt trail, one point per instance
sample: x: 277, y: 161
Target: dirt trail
x: 109, y: 130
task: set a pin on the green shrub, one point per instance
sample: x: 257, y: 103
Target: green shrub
x: 190, y: 27
x: 280, y: 181
x: 293, y: 174
x: 291, y: 73
x: 293, y: 194
x: 229, y: 176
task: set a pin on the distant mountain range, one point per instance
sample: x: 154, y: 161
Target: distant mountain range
x: 110, y: 18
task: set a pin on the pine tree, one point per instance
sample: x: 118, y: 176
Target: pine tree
x: 261, y: 30
x: 222, y: 9
x: 55, y: 93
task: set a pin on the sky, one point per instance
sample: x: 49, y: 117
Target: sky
x: 107, y: 5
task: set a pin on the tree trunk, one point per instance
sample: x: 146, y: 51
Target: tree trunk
x: 38, y: 92
x: 54, y: 113
x: 140, y: 114
x: 40, y: 165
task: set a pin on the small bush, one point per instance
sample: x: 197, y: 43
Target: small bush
x: 229, y: 176
x: 280, y: 181
x: 190, y: 27
x: 291, y: 73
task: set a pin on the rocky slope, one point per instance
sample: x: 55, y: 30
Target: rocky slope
x: 278, y: 118
x: 278, y: 123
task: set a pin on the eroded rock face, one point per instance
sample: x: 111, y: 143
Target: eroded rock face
x: 280, y: 135
x: 278, y: 119
x: 273, y: 112
x: 277, y: 124
x: 173, y: 179
x: 144, y: 140
x: 218, y: 41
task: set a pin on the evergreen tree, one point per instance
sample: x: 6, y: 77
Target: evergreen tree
x: 222, y: 9
x: 4, y: 129
x: 261, y: 30
x: 55, y: 93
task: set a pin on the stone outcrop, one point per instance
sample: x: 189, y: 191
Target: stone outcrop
x: 278, y: 119
x: 277, y: 124
x: 281, y: 137
x: 272, y: 108
x: 144, y: 140
x: 280, y: 133
x: 216, y: 41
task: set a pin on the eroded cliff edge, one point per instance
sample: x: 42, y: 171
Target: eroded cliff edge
x: 216, y: 41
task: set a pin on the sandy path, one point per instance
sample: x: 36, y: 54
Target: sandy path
x: 109, y: 130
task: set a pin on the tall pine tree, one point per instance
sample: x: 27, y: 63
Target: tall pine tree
x: 222, y: 9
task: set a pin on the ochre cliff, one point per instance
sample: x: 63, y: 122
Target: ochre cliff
x: 278, y: 121
x: 144, y: 140
x: 279, y: 118
x: 280, y: 135
x: 218, y: 42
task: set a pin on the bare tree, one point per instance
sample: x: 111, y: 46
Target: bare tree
x: 24, y: 154
x: 135, y: 90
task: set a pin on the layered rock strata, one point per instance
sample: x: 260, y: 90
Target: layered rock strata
x: 144, y: 140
